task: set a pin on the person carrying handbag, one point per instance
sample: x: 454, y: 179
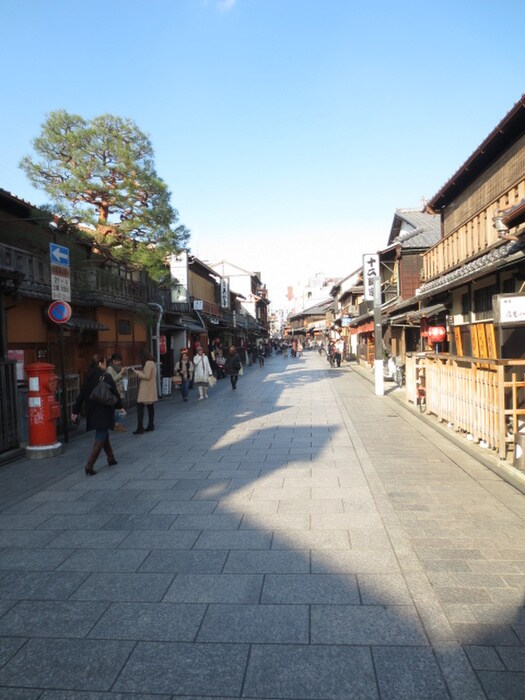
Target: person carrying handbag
x: 99, y: 417
x: 202, y: 373
x: 184, y: 371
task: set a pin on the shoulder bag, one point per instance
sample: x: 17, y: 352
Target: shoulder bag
x: 102, y: 394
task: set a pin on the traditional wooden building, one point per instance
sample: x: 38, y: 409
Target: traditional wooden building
x: 478, y: 270
x: 400, y: 264
x: 313, y: 323
x: 114, y: 309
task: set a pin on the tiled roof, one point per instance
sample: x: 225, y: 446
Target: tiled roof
x: 413, y: 228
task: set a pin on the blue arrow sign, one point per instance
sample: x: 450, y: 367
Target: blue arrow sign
x: 59, y: 254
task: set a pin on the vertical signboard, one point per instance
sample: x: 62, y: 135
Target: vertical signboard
x: 60, y: 274
x: 225, y: 293
x: 179, y: 275
x: 370, y: 271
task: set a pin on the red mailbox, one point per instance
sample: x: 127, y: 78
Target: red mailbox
x: 42, y: 405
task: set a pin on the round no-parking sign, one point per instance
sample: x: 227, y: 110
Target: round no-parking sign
x: 59, y: 312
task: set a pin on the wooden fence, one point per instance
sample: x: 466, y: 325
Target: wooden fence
x: 483, y: 398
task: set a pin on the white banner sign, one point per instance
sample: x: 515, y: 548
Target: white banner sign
x: 225, y: 293
x: 179, y: 273
x: 509, y: 309
x: 370, y: 270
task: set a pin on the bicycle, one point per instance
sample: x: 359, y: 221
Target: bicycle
x: 422, y: 399
x: 399, y: 376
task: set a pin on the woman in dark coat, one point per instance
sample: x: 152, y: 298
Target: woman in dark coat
x: 233, y: 365
x: 99, y: 418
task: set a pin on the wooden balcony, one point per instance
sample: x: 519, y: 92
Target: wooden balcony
x: 93, y: 286
x: 459, y: 247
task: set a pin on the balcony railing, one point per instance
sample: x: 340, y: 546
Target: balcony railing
x: 480, y: 397
x: 93, y: 286
x: 471, y: 239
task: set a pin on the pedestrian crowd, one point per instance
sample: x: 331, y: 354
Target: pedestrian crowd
x: 102, y: 395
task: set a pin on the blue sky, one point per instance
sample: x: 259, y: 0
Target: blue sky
x: 288, y: 131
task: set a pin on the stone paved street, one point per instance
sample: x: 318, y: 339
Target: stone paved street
x: 297, y: 539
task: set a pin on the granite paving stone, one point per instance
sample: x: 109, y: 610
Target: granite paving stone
x: 18, y: 694
x: 149, y: 621
x: 103, y: 560
x: 180, y: 561
x: 123, y: 587
x: 310, y: 672
x: 216, y: 670
x: 503, y: 686
x: 138, y: 521
x: 156, y: 539
x: 82, y: 695
x: 366, y: 624
x: 51, y: 618
x: 310, y: 589
x: 270, y: 562
x: 215, y: 588
x: 207, y: 522
x: 39, y: 585
x: 485, y: 658
x: 8, y: 647
x: 408, y: 673
x: 76, y: 664
x: 25, y: 538
x: 255, y: 624
x: 91, y: 539
x: 32, y: 558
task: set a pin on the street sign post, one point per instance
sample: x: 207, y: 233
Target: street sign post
x: 59, y: 311
x: 60, y: 272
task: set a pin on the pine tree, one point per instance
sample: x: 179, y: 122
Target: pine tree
x: 101, y: 172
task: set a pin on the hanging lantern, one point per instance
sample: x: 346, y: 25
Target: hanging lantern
x: 436, y: 334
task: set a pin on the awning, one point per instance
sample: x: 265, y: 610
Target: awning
x: 427, y: 312
x: 190, y: 324
x: 363, y: 328
x: 317, y: 326
x: 171, y: 327
x: 416, y: 315
x: 84, y: 324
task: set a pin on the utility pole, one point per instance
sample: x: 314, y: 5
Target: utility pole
x: 378, y: 335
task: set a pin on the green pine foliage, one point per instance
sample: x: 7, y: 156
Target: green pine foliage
x: 101, y: 173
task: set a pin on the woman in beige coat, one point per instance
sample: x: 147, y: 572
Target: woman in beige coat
x: 147, y: 392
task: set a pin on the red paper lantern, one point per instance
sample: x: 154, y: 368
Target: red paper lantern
x: 436, y: 334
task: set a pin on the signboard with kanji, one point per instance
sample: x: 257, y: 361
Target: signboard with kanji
x: 509, y: 309
x: 370, y: 271
x: 60, y: 272
x: 225, y: 293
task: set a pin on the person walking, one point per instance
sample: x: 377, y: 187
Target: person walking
x: 260, y: 354
x: 184, y: 369
x: 202, y: 373
x: 147, y: 395
x: 99, y: 418
x: 232, y: 366
x: 339, y: 347
x: 116, y: 372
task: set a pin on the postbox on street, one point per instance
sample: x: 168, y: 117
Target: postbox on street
x: 43, y: 407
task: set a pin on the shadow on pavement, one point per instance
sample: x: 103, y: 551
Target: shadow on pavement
x: 240, y: 550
